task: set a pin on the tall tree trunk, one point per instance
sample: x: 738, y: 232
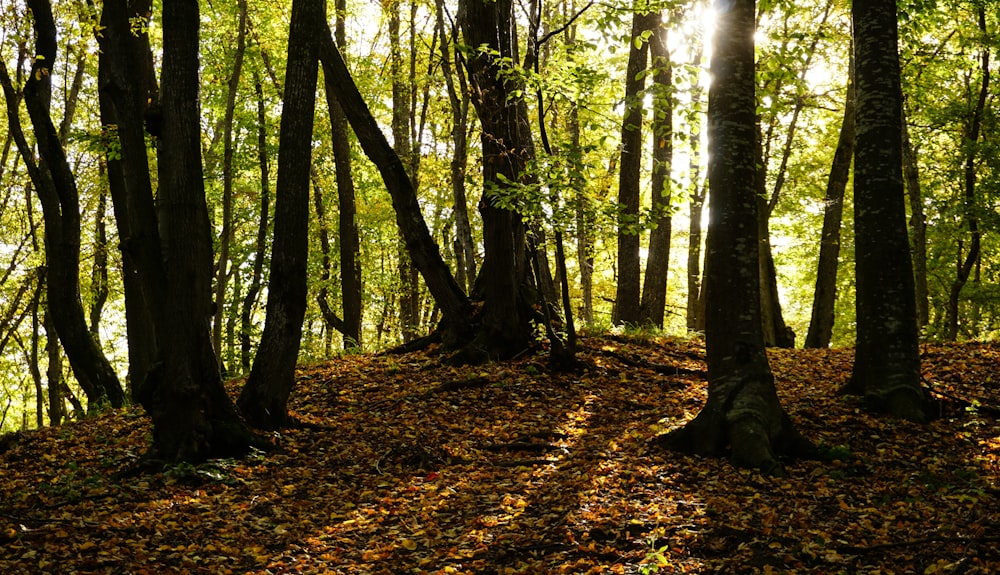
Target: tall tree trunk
x: 696, y: 201
x: 825, y: 295
x: 193, y: 417
x: 970, y: 220
x: 654, y: 287
x: 507, y: 147
x: 264, y: 398
x: 465, y: 251
x: 99, y: 272
x: 743, y: 412
x: 887, y: 358
x: 225, y: 237
x: 583, y: 206
x: 56, y: 187
x: 918, y: 228
x: 409, y: 300
x: 127, y: 91
x: 629, y: 225
x: 350, y: 240
x: 260, y: 249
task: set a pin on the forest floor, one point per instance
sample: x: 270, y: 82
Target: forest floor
x: 409, y: 466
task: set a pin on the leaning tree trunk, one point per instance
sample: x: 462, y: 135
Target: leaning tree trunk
x: 264, y: 399
x: 887, y: 357
x: 456, y: 310
x: 825, y: 295
x: 743, y: 412
x: 57, y: 191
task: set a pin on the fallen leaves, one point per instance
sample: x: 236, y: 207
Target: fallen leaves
x: 407, y: 466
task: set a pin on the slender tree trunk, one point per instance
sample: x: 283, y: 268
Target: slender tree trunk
x: 654, y: 287
x: 350, y: 241
x: 970, y: 220
x: 222, y: 268
x: 127, y: 89
x: 264, y: 398
x: 918, y: 228
x: 629, y: 224
x: 825, y: 295
x: 887, y: 358
x: 99, y: 271
x: 583, y: 206
x: 696, y: 201
x: 465, y: 252
x: 260, y: 249
x: 56, y: 187
x: 743, y: 412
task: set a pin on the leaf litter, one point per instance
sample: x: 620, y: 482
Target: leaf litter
x: 405, y: 465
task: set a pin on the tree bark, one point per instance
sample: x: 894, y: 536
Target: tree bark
x: 887, y: 358
x: 743, y: 411
x: 350, y: 242
x: 654, y: 287
x: 918, y: 228
x: 465, y: 252
x: 825, y: 295
x: 626, y: 309
x: 264, y: 398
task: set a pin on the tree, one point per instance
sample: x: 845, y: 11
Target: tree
x: 887, y: 359
x: 507, y: 147
x: 264, y: 398
x: 57, y: 190
x: 626, y: 309
x: 970, y: 217
x: 455, y: 306
x: 170, y: 245
x: 654, y: 286
x: 743, y: 411
x: 825, y: 295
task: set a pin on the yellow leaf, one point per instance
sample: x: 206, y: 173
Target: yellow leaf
x: 409, y: 544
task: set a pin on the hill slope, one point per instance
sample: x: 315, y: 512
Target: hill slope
x: 407, y: 466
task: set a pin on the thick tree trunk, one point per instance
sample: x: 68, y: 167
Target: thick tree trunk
x: 825, y: 295
x: 264, y: 399
x: 193, y: 418
x: 56, y: 188
x: 505, y: 327
x: 743, y: 411
x: 629, y: 225
x: 887, y: 359
x: 654, y: 286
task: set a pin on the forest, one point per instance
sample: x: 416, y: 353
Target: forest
x: 208, y: 208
